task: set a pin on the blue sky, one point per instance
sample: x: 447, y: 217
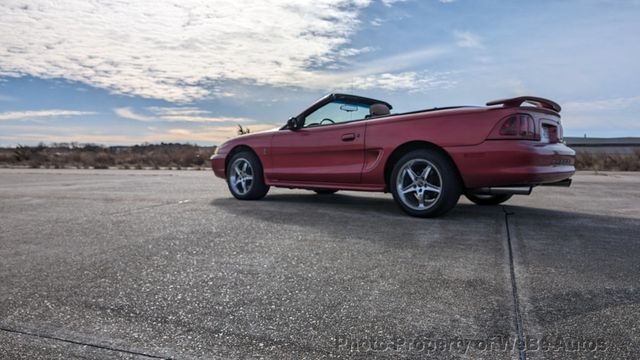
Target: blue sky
x: 191, y: 70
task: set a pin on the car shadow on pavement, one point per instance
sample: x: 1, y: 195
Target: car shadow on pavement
x: 584, y: 250
x: 340, y: 205
x: 341, y: 201
x: 372, y: 218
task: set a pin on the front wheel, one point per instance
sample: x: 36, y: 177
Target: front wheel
x: 480, y: 199
x: 425, y: 183
x: 245, y: 177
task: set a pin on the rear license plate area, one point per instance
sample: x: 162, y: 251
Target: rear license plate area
x: 544, y: 135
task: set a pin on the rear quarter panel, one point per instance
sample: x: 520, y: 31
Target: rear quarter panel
x: 500, y: 162
x: 447, y: 128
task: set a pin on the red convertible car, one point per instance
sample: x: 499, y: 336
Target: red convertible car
x: 425, y: 158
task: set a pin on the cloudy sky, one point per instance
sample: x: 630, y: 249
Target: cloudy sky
x: 125, y: 72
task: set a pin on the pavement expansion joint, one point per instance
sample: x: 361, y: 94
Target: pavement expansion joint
x: 103, y: 347
x: 514, y: 287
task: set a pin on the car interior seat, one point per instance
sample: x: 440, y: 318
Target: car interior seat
x: 378, y: 110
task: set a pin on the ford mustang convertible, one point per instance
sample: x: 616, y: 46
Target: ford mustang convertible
x: 425, y: 158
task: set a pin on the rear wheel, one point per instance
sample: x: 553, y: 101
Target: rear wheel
x: 488, y: 199
x: 325, y: 191
x: 245, y: 177
x: 424, y: 183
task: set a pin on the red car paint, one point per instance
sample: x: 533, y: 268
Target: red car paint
x: 357, y: 155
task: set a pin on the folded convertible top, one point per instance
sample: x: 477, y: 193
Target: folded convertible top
x: 536, y: 101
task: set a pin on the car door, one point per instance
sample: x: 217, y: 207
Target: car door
x: 329, y: 148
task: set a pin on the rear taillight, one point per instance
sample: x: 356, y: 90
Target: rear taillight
x: 517, y: 126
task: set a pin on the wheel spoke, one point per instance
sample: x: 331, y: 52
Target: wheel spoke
x: 408, y: 189
x: 421, y: 199
x: 412, y: 175
x: 426, y: 172
x: 248, y: 177
x: 237, y: 170
x: 238, y: 180
x: 432, y: 188
x: 244, y: 166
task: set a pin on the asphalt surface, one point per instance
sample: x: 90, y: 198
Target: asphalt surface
x: 115, y: 264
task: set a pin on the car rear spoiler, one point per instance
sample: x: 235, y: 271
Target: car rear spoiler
x: 536, y: 101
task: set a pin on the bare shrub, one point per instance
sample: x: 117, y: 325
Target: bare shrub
x: 61, y: 155
x: 103, y: 160
x: 601, y: 161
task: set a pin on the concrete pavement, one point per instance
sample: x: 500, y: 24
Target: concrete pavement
x: 166, y: 264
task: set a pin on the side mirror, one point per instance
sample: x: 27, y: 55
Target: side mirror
x: 292, y: 123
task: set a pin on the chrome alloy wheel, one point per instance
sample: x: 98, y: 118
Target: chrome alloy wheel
x: 419, y: 184
x: 241, y: 177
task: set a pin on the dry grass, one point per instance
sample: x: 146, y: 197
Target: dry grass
x: 180, y: 156
x: 175, y: 156
x: 602, y: 161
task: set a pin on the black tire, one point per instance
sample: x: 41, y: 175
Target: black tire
x: 255, y: 188
x: 488, y: 199
x: 445, y: 176
x: 325, y: 191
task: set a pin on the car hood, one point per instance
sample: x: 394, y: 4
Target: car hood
x: 242, y: 138
x: 257, y: 133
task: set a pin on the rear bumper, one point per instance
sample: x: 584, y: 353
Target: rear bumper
x: 513, y: 162
x: 217, y: 165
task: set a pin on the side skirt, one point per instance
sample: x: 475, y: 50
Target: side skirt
x: 337, y: 186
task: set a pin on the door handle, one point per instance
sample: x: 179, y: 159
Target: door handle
x: 348, y: 137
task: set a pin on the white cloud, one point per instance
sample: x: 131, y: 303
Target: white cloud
x: 467, y: 39
x: 209, y: 133
x: 387, y: 73
x: 205, y: 119
x: 193, y: 115
x: 599, y: 105
x: 177, y: 111
x: 516, y: 86
x: 347, y: 52
x: 389, y: 3
x: 405, y: 80
x: 376, y: 21
x: 399, y: 62
x: 572, y: 121
x: 25, y: 115
x: 184, y: 50
x: 178, y: 50
x: 178, y: 114
x: 127, y: 113
x: 202, y: 135
x: 603, y: 114
x: 6, y: 98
